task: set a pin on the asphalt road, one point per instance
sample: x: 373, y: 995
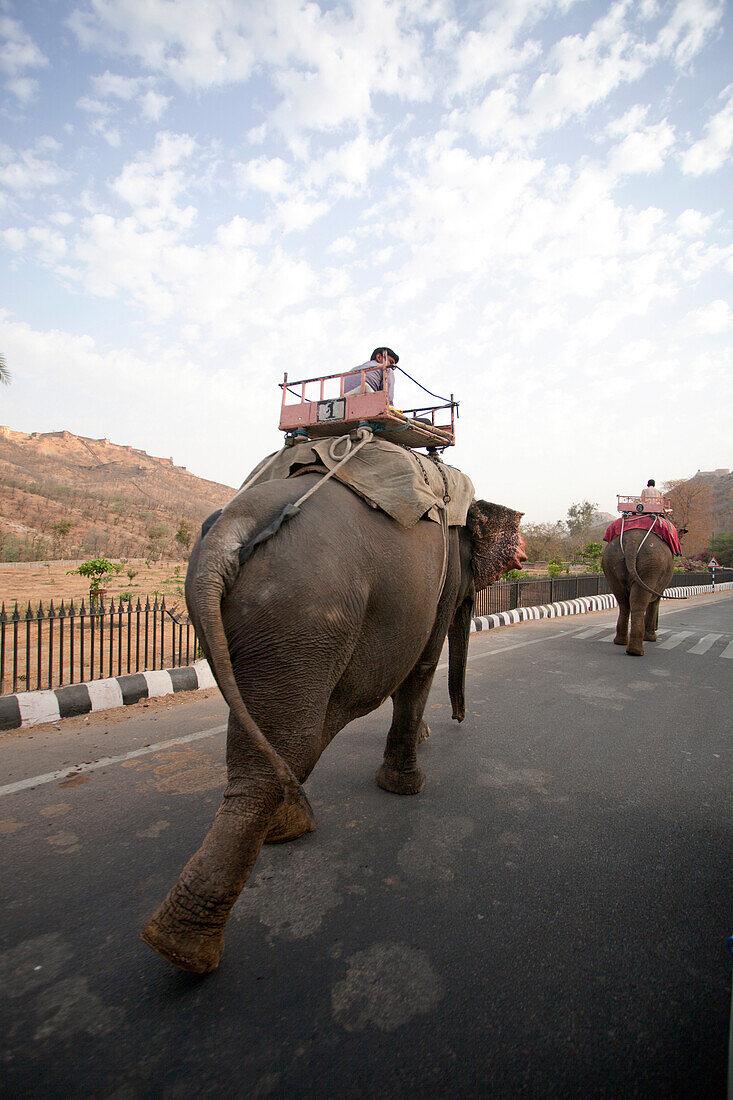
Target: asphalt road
x: 546, y: 919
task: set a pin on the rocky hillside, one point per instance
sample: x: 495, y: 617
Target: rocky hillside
x: 703, y: 504
x: 67, y: 496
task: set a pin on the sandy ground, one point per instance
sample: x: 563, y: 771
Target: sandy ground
x: 46, y: 581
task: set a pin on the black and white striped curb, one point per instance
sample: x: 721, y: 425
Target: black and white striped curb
x: 579, y: 607
x: 32, y: 708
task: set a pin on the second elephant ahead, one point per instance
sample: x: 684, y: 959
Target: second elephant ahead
x: 340, y: 610
x: 637, y: 572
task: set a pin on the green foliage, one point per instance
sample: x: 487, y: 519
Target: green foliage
x: 97, y: 570
x: 580, y: 517
x: 183, y: 534
x: 590, y: 556
x: 721, y: 548
x: 131, y: 573
x: 511, y: 575
x: 555, y: 567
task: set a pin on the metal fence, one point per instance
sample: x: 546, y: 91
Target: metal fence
x: 534, y: 593
x: 51, y: 647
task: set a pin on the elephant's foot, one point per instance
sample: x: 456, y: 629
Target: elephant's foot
x: 635, y: 650
x: 291, y: 821
x: 459, y: 712
x: 423, y: 732
x: 189, y: 951
x: 650, y: 636
x: 620, y: 640
x: 401, y: 781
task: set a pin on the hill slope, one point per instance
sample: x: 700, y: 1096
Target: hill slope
x: 64, y: 495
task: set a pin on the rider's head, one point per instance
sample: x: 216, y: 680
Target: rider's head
x: 385, y: 356
x: 651, y: 482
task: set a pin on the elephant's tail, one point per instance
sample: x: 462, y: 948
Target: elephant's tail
x: 630, y: 555
x: 217, y: 567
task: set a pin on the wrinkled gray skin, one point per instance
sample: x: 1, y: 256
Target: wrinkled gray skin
x: 654, y: 567
x: 330, y: 617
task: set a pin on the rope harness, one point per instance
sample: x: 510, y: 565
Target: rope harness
x: 634, y: 570
x: 341, y: 451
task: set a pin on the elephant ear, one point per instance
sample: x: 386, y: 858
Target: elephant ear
x: 494, y: 533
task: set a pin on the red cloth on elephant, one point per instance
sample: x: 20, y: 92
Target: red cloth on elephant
x: 662, y: 527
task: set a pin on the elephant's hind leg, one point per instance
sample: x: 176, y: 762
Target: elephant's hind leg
x: 651, y: 622
x: 291, y: 821
x: 622, y: 625
x: 188, y: 928
x: 639, y: 602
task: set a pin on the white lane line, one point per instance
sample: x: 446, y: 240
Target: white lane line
x: 105, y: 762
x: 676, y: 639
x: 506, y: 648
x: 705, y: 642
x: 728, y: 651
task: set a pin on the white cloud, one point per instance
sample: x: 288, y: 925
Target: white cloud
x: 24, y: 88
x: 26, y: 170
x: 268, y: 174
x: 18, y: 52
x: 688, y: 29
x: 710, y: 320
x: 152, y: 183
x: 15, y: 239
x: 642, y: 150
x: 711, y: 152
x: 492, y: 50
x: 327, y: 64
x: 692, y: 223
x: 153, y: 105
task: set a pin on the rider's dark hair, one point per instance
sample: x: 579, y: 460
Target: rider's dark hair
x: 651, y: 481
x: 387, y: 351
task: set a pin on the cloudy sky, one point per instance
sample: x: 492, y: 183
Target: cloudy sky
x: 528, y: 199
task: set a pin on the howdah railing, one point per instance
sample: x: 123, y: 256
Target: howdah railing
x: 51, y: 646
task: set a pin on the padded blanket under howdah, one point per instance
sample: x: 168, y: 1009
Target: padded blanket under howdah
x: 657, y: 524
x: 387, y: 476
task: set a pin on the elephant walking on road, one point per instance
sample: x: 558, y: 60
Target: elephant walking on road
x: 637, y: 575
x: 340, y: 610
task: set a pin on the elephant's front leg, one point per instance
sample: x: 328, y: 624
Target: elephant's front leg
x: 400, y: 772
x: 651, y: 622
x: 188, y: 928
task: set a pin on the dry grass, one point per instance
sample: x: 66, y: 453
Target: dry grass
x: 46, y: 581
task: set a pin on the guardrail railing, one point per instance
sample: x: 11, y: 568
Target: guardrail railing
x: 50, y: 647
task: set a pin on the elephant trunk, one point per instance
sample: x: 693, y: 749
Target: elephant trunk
x: 218, y: 561
x: 458, y: 636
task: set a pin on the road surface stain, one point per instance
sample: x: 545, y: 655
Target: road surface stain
x: 65, y: 843
x: 385, y: 986
x: 292, y: 893
x: 8, y: 827
x: 430, y: 854
x: 186, y: 771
